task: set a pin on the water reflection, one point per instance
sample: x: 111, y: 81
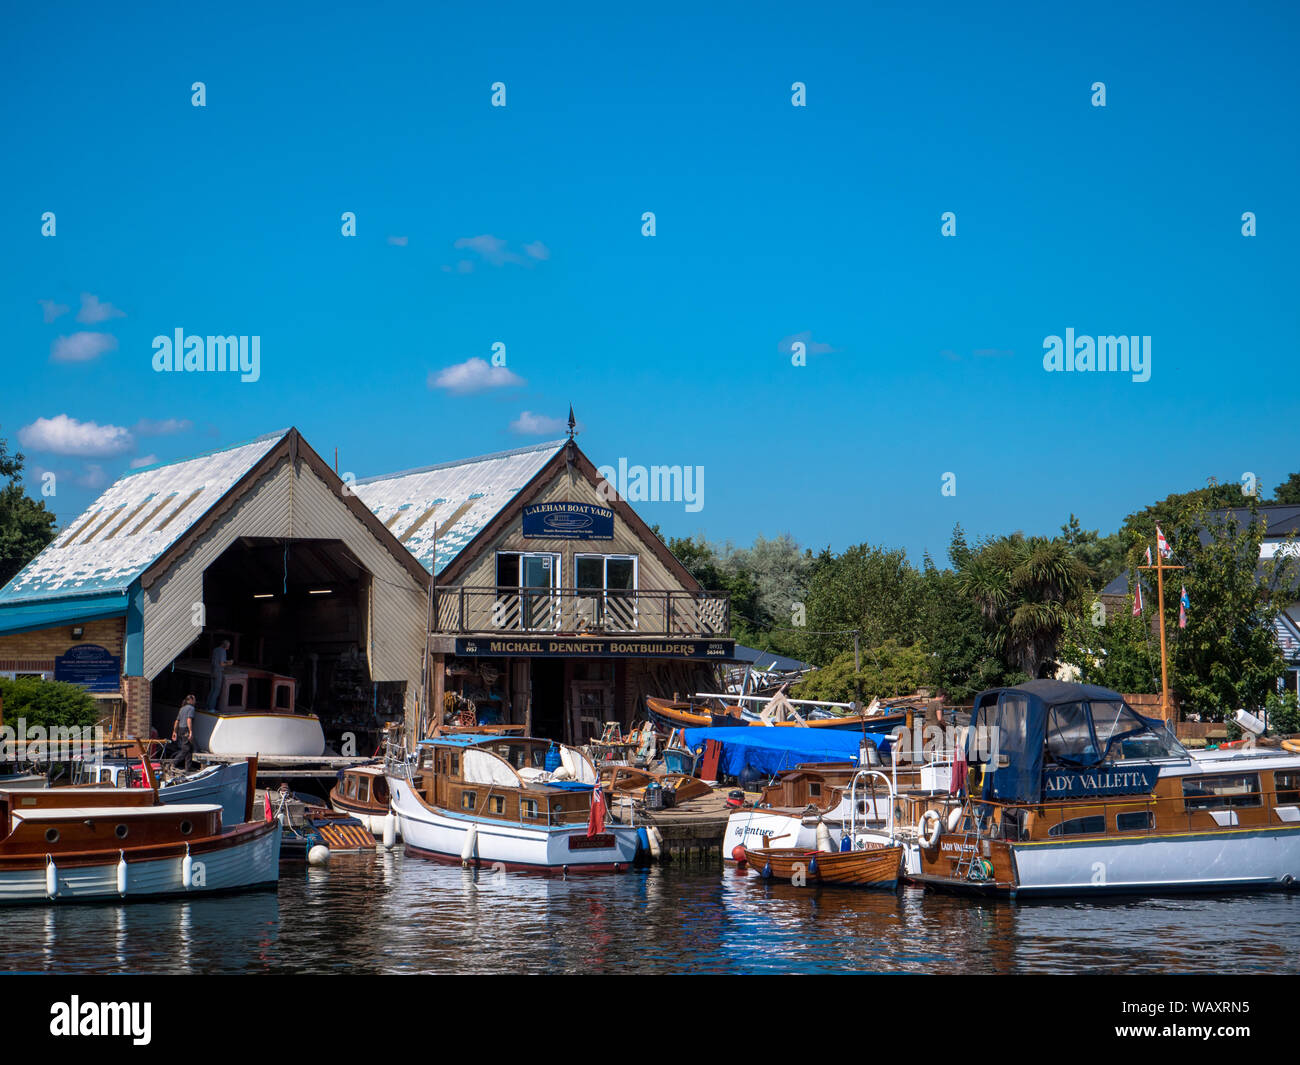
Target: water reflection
x: 378, y: 912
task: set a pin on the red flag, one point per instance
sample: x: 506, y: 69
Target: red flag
x: 267, y: 796
x: 1163, y: 544
x: 958, y: 772
x: 1137, y: 599
x: 596, y: 822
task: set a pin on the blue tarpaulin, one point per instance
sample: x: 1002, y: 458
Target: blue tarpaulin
x: 770, y: 750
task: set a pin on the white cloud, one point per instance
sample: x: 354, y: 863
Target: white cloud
x: 62, y: 435
x: 165, y: 427
x: 82, y: 347
x: 52, y: 310
x: 93, y: 311
x: 811, y: 347
x: 401, y: 242
x: 530, y: 424
x: 538, y: 250
x: 488, y: 248
x: 92, y: 476
x: 473, y: 375
x: 143, y: 460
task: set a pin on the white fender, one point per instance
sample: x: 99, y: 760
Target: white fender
x: 318, y: 855
x: 467, y: 851
x: 824, y: 838
x: 930, y: 837
x: 187, y: 869
x: 121, y: 873
x: 656, y: 842
x: 51, y: 877
x: 390, y: 830
x: 954, y: 818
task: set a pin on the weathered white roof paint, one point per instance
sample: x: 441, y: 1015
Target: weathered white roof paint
x: 475, y: 489
x: 102, y: 551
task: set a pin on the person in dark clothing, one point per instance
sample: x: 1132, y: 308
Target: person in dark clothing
x: 183, y: 734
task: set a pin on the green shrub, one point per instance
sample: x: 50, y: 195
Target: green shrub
x: 47, y: 703
x: 1283, y: 713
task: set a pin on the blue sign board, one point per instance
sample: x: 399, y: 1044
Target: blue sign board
x: 91, y: 666
x: 1105, y: 780
x: 568, y: 521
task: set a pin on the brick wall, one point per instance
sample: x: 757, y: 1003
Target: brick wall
x: 139, y: 708
x: 37, y: 650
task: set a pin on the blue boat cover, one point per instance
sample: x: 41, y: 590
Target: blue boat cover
x: 770, y: 750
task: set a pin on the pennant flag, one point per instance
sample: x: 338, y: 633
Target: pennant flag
x: 1137, y: 599
x: 1162, y: 544
x: 1183, y: 605
x: 596, y: 819
x: 1148, y: 554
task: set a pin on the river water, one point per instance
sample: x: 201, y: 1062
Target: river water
x: 385, y: 913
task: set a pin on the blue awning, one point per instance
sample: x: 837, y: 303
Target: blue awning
x: 48, y: 613
x: 770, y: 750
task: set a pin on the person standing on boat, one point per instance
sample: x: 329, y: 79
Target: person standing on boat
x: 183, y: 734
x: 219, y: 659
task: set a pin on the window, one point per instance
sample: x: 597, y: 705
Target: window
x: 526, y: 582
x: 528, y: 807
x: 1134, y: 821
x: 1287, y: 785
x: 349, y: 786
x: 497, y: 804
x: 1079, y: 826
x: 120, y: 831
x: 814, y: 789
x: 1069, y: 736
x: 468, y: 800
x: 455, y: 764
x: 1221, y: 792
x: 363, y: 789
x: 607, y: 590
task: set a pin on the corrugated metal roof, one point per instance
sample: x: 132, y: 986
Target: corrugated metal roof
x: 133, y: 523
x: 457, y: 499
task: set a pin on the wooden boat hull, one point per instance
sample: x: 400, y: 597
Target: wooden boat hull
x: 875, y: 867
x: 441, y: 836
x: 233, y: 735
x: 242, y: 858
x: 669, y: 715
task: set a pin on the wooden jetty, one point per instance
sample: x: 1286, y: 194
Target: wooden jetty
x: 693, y: 831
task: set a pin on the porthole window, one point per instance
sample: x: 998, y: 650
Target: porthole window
x: 51, y: 835
x: 186, y: 828
x: 120, y: 831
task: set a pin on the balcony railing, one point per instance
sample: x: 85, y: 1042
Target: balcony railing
x: 581, y: 610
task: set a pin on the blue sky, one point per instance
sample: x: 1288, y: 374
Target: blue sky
x: 522, y: 225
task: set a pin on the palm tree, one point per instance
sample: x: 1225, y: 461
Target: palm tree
x: 1025, y: 589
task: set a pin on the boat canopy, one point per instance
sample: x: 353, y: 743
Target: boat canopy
x: 1042, y: 725
x: 770, y: 750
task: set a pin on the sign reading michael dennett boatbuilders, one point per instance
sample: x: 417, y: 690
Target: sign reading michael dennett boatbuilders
x: 596, y: 648
x: 568, y: 521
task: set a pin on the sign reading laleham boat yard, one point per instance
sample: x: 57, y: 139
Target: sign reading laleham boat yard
x: 1072, y: 783
x: 568, y: 521
x: 598, y: 648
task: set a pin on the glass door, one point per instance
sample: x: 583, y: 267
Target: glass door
x: 537, y: 580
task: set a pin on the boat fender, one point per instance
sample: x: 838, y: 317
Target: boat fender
x: 656, y: 842
x: 813, y: 868
x: 954, y: 818
x: 846, y: 844
x: 390, y: 830
x: 187, y: 869
x: 767, y: 871
x: 51, y: 877
x: 930, y: 837
x: 642, y: 840
x: 121, y: 873
x: 318, y: 855
x: 467, y: 851
x: 738, y: 854
x: 824, y: 838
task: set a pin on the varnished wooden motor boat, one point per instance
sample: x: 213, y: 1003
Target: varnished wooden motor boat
x: 489, y: 800
x: 629, y: 780
x: 362, y: 792
x: 874, y: 866
x: 77, y: 844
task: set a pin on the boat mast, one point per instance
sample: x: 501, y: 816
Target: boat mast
x: 1160, y: 568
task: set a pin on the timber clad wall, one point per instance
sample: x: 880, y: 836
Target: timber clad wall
x: 23, y: 650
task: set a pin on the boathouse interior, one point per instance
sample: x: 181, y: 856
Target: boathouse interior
x: 295, y: 608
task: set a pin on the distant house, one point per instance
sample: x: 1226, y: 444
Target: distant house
x: 1283, y: 522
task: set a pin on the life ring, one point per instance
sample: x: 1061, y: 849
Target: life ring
x: 930, y: 839
x: 1291, y: 745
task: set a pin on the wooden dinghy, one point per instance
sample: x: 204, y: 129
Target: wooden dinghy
x: 876, y: 866
x: 629, y: 780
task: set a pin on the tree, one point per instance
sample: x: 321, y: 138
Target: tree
x: 1288, y: 491
x: 1120, y: 653
x: 866, y: 588
x: 47, y: 703
x: 1104, y: 555
x: 26, y: 526
x: 887, y: 670
x: 1025, y: 589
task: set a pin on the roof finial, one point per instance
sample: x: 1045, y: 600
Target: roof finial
x: 572, y: 423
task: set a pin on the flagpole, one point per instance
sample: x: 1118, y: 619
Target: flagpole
x: 1160, y: 567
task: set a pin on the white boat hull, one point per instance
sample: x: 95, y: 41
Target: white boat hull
x: 1204, y: 861
x: 237, y: 735
x: 441, y: 836
x: 244, y: 865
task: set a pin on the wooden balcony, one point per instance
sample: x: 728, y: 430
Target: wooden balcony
x: 486, y: 611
